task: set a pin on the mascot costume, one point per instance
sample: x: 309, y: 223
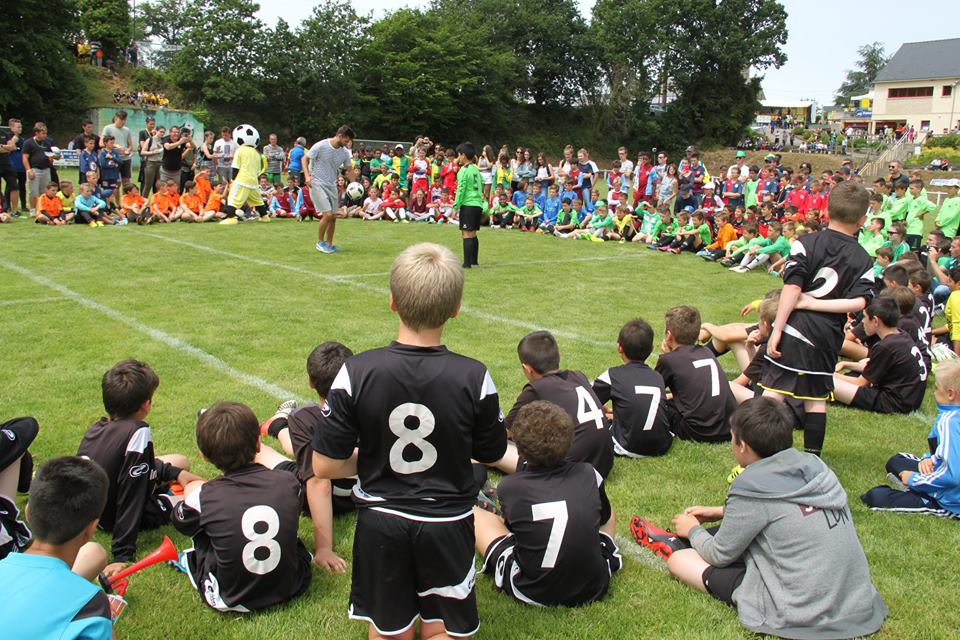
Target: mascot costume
x: 247, y: 166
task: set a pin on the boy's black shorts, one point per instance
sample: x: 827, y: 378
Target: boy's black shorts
x: 721, y: 582
x: 470, y: 218
x: 803, y: 386
x: 407, y: 569
x: 682, y: 430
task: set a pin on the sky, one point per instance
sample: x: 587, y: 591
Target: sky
x: 822, y: 42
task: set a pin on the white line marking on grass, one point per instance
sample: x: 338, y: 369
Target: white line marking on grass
x: 6, y: 303
x: 639, y: 554
x: 346, y: 281
x: 160, y: 336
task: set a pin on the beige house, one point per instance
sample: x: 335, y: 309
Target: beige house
x: 918, y: 88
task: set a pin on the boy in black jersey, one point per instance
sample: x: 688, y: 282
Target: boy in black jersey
x: 701, y: 401
x: 246, y: 552
x: 407, y: 419
x: 640, y: 424
x: 123, y: 446
x: 555, y: 544
x: 294, y: 428
x: 540, y: 359
x: 894, y: 376
x: 826, y: 276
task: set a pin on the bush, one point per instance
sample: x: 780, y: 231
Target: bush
x: 929, y: 153
x: 951, y: 141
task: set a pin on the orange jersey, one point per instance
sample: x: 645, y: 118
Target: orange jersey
x: 214, y: 202
x: 192, y: 202
x: 203, y: 188
x: 725, y: 234
x: 164, y: 203
x: 130, y: 200
x: 51, y: 207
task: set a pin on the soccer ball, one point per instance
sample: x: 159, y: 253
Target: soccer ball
x: 247, y: 134
x: 354, y: 190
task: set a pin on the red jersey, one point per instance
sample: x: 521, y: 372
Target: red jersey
x: 797, y: 198
x: 448, y: 175
x: 817, y: 201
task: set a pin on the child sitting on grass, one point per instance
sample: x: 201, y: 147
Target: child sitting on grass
x: 623, y: 229
x: 50, y: 207
x: 522, y: 552
x: 775, y: 247
x: 132, y: 204
x: 929, y: 484
x: 694, y: 238
x: 246, y: 554
x: 528, y: 216
x: 786, y: 553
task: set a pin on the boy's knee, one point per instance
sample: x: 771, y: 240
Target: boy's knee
x: 177, y: 459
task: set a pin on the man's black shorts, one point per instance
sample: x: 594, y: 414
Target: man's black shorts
x: 721, y: 582
x: 125, y: 166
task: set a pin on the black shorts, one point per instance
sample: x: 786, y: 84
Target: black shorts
x: 876, y: 400
x: 9, y: 175
x: 125, y: 166
x: 407, y: 569
x: 682, y: 430
x: 287, y: 465
x: 883, y: 498
x: 803, y: 386
x: 470, y: 218
x: 721, y: 582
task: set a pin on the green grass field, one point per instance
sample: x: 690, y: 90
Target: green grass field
x: 232, y: 312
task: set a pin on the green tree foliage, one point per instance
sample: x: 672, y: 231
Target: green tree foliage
x: 38, y: 78
x: 167, y: 20
x: 107, y: 21
x: 860, y: 80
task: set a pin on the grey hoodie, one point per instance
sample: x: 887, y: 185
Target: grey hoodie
x: 786, y: 517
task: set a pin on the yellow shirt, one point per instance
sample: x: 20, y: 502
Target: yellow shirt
x: 250, y: 164
x: 952, y: 312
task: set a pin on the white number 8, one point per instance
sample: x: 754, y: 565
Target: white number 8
x: 251, y: 518
x: 415, y: 437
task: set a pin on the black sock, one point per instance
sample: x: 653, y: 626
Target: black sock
x: 276, y: 427
x: 814, y: 430
x: 466, y: 253
x: 474, y: 251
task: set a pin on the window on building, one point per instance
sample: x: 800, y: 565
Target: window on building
x: 947, y: 89
x: 910, y: 92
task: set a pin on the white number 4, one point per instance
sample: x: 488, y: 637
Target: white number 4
x: 587, y: 409
x: 556, y: 511
x: 714, y: 374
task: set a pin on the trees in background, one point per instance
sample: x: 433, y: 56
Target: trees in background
x: 859, y: 81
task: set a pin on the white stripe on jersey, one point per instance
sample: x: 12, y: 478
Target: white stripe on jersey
x: 456, y: 591
x: 793, y: 331
x: 138, y: 443
x: 342, y: 381
x: 193, y: 500
x: 605, y: 377
x: 408, y: 516
x: 488, y: 388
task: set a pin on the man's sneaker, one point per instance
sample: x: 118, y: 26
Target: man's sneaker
x: 284, y: 409
x: 660, y: 541
x: 488, y: 501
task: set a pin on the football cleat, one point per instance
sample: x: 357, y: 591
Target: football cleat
x: 660, y: 541
x: 229, y: 221
x: 284, y: 409
x: 896, y: 482
x: 488, y: 501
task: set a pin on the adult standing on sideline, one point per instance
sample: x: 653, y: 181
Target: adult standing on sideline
x: 151, y: 155
x: 11, y: 188
x: 174, y: 148
x: 142, y: 136
x: 16, y: 159
x: 37, y: 160
x: 469, y: 202
x: 78, y: 143
x: 223, y: 150
x: 275, y: 157
x: 295, y: 160
x: 321, y: 167
x: 123, y: 143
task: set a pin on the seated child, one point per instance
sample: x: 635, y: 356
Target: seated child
x: 68, y: 198
x: 694, y: 238
x: 701, y: 402
x: 599, y: 224
x: 640, y: 426
x: 683, y: 226
x: 775, y: 247
x: 164, y: 203
x: 284, y: 204
x: 132, y: 205
x: 419, y: 211
x: 372, y: 205
x: 666, y: 230
x: 502, y: 213
x: 894, y: 375
x: 623, y: 228
x: 122, y: 445
x: 90, y: 209
x: 528, y: 216
x: 308, y: 210
x: 648, y: 233
x: 522, y: 552
x: 395, y: 206
x: 551, y: 209
x: 929, y: 484
x: 566, y: 219
x: 213, y: 209
x: 236, y: 563
x: 786, y: 553
x: 443, y: 208
x: 540, y: 360
x: 190, y: 208
x: 750, y: 238
x: 43, y: 598
x: 50, y: 207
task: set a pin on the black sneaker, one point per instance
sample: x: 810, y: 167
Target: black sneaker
x: 660, y: 541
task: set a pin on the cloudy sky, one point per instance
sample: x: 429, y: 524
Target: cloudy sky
x: 822, y: 42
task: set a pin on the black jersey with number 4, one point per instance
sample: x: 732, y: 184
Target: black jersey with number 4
x: 572, y: 392
x: 418, y: 415
x: 828, y: 265
x: 701, y: 392
x: 246, y: 554
x: 897, y: 369
x: 640, y: 422
x: 555, y: 516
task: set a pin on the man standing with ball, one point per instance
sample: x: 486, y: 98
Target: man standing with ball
x: 321, y: 166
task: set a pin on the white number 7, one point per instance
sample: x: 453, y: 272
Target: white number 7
x: 556, y: 511
x: 714, y: 374
x: 655, y: 394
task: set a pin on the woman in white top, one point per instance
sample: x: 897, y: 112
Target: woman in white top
x: 667, y: 190
x: 485, y: 164
x: 545, y: 175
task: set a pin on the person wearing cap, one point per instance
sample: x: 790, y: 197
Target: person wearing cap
x: 739, y: 171
x: 401, y: 165
x: 948, y: 218
x: 686, y: 198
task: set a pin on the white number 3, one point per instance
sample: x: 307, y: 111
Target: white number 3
x: 251, y: 518
x: 415, y: 437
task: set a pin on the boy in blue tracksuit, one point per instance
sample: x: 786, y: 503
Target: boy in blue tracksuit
x: 550, y: 208
x: 929, y: 484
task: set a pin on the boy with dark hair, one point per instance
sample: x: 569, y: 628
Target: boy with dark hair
x: 786, y: 553
x: 640, y: 424
x: 554, y: 545
x: 246, y: 554
x: 43, y: 598
x: 407, y: 419
x: 540, y: 360
x: 122, y: 444
x: 700, y: 402
x: 827, y: 276
x: 893, y: 377
x: 929, y: 484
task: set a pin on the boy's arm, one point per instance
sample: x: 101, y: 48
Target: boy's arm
x: 602, y: 387
x: 319, y: 499
x: 740, y: 526
x: 133, y: 491
x: 841, y: 305
x: 788, y: 302
x: 489, y: 434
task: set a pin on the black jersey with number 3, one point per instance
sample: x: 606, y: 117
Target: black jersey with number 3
x: 640, y: 422
x: 572, y: 392
x: 828, y: 265
x: 897, y: 369
x: 246, y: 553
x: 418, y: 415
x: 555, y: 516
x: 701, y: 392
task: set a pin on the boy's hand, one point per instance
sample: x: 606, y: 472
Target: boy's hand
x: 905, y: 476
x: 747, y: 308
x: 330, y: 561
x: 773, y: 344
x: 754, y: 336
x: 115, y: 568
x: 683, y: 523
x: 704, y: 514
x: 925, y: 467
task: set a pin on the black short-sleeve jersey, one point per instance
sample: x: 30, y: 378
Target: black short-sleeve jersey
x: 897, y: 369
x: 418, y: 415
x: 301, y: 424
x: 701, y: 392
x: 640, y: 422
x: 246, y: 551
x: 555, y: 515
x: 830, y: 266
x: 572, y: 392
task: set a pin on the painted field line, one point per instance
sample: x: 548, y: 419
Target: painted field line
x: 384, y: 291
x: 160, y: 336
x: 505, y: 265
x: 7, y: 303
x: 635, y: 552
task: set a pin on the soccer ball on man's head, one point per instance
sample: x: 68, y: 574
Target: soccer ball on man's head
x: 354, y: 190
x: 247, y: 134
